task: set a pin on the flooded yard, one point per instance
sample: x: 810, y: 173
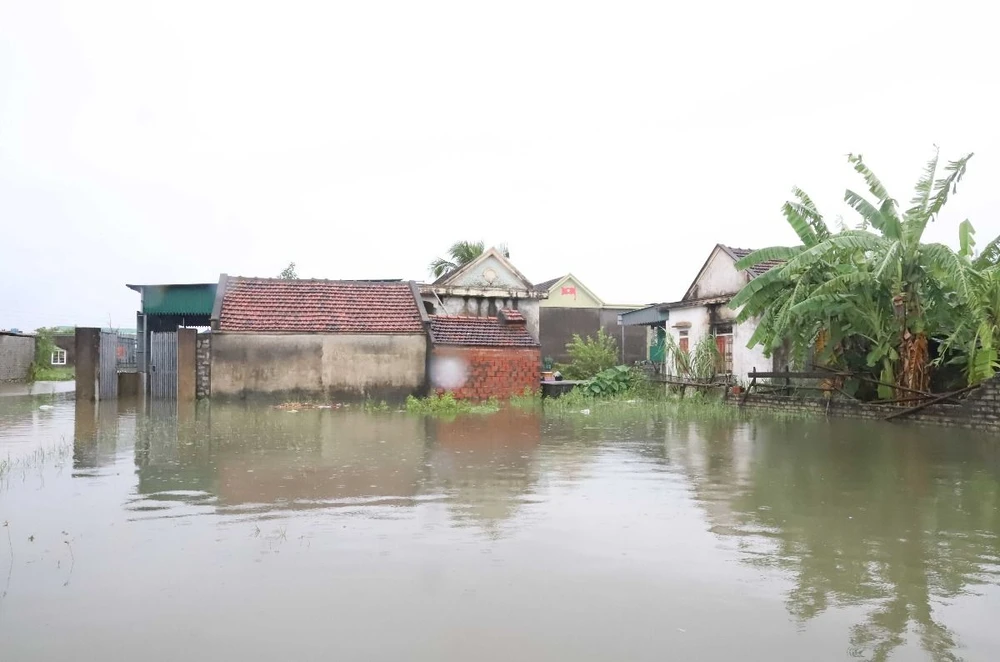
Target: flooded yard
x: 233, y: 533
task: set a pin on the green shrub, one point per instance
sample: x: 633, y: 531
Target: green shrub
x: 590, y: 355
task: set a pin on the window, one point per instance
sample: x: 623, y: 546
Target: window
x: 724, y: 343
x: 682, y: 340
x: 59, y: 357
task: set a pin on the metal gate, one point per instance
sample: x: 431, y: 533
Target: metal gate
x: 163, y: 364
x: 107, y: 377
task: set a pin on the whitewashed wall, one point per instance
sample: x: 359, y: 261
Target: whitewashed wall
x: 744, y: 359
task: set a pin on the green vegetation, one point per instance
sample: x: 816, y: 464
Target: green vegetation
x: 529, y: 399
x: 447, y: 405
x: 875, y: 299
x: 371, y: 405
x: 702, y: 363
x: 590, y: 355
x: 41, y: 369
x: 52, y: 373
x: 460, y: 254
x: 289, y: 273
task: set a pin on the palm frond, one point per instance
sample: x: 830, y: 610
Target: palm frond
x: 923, y: 188
x: 989, y: 256
x: 440, y: 266
x: 948, y: 184
x: 966, y: 239
x: 463, y: 252
x: 874, y: 185
x: 805, y: 219
x: 762, y: 255
x: 874, y: 216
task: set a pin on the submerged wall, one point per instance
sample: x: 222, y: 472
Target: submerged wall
x: 338, y: 366
x: 17, y: 351
x: 979, y: 411
x: 480, y: 373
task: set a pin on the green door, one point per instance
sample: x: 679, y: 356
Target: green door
x: 657, y: 348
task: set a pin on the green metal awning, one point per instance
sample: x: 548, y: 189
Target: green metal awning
x: 184, y: 299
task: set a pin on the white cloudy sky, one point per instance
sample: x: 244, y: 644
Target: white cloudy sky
x: 172, y: 141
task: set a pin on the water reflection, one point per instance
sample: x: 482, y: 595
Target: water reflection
x: 894, y: 519
x: 548, y: 537
x: 256, y: 459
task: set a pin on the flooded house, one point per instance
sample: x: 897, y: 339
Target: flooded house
x: 340, y: 339
x: 570, y: 307
x: 482, y: 288
x: 704, y: 311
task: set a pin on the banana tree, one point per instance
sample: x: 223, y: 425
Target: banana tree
x: 879, y: 282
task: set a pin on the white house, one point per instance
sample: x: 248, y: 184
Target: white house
x: 704, y: 310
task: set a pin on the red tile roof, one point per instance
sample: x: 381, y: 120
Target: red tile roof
x: 481, y: 331
x: 320, y: 306
x: 511, y: 316
x: 757, y: 269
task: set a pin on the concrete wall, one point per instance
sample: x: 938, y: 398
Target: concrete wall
x: 88, y: 352
x: 720, y: 278
x: 980, y: 411
x: 701, y: 320
x: 203, y: 368
x: 186, y: 370
x: 486, y: 307
x: 16, y: 355
x: 480, y: 373
x: 338, y: 366
x: 559, y: 324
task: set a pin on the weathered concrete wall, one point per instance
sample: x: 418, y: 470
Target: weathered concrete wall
x: 480, y: 373
x: 340, y: 366
x: 203, y: 367
x: 16, y: 354
x: 720, y: 278
x: 475, y: 306
x: 186, y: 370
x: 88, y: 352
x: 559, y: 324
x: 980, y: 411
x: 699, y: 320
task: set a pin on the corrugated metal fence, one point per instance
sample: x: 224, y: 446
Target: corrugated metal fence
x: 107, y: 377
x: 163, y: 364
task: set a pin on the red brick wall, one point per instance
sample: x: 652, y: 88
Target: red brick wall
x: 498, y: 372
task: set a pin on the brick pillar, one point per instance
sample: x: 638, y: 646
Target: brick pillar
x: 88, y: 361
x: 187, y: 377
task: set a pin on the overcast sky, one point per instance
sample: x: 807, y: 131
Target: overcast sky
x: 158, y: 142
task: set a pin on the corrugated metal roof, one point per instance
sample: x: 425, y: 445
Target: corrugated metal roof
x: 188, y: 299
x: 645, y: 316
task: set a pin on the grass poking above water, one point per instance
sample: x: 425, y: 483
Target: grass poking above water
x: 446, y: 404
x: 54, y: 374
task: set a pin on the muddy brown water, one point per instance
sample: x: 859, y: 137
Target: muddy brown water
x: 236, y: 533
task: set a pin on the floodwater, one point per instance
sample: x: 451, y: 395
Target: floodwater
x: 236, y: 533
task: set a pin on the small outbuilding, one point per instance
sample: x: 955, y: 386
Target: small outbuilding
x: 318, y: 338
x: 477, y: 358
